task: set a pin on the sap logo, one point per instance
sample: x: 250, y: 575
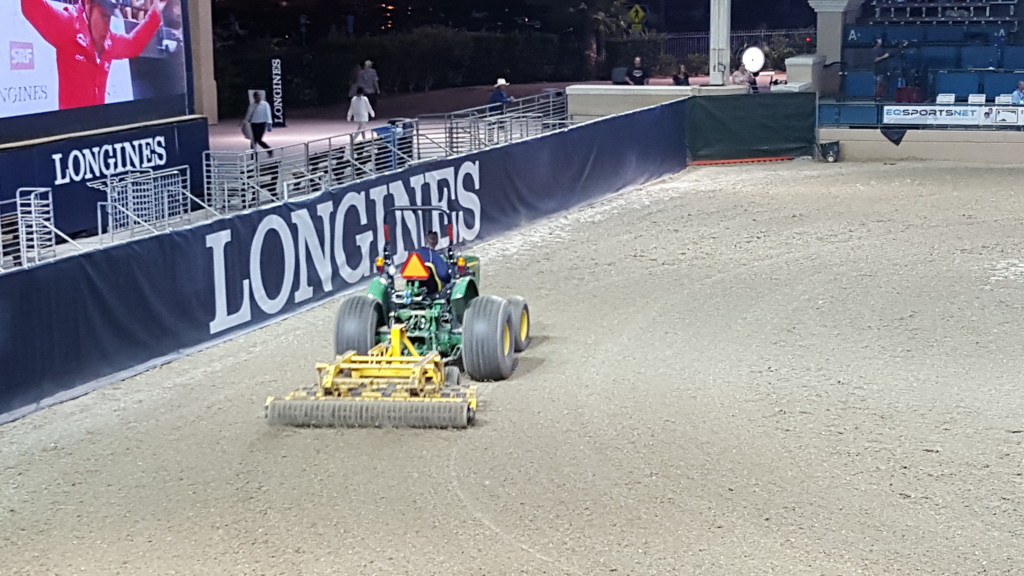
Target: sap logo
x: 22, y: 56
x: 306, y: 261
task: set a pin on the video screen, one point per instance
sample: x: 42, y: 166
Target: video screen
x: 78, y: 65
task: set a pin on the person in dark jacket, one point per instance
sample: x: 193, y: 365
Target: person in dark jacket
x: 499, y: 96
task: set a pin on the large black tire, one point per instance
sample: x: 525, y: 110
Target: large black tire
x: 520, y: 322
x: 488, y: 351
x: 355, y: 326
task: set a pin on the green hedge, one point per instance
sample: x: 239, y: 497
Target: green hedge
x: 427, y: 59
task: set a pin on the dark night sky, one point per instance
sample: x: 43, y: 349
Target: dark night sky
x: 681, y: 15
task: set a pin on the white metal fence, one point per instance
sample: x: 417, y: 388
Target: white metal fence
x: 236, y: 181
x: 682, y: 45
x: 147, y: 202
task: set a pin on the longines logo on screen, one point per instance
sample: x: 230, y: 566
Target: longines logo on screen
x: 22, y: 56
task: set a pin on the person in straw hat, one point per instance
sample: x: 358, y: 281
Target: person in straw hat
x: 500, y: 97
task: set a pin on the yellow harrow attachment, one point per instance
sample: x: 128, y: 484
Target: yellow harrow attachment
x: 391, y: 386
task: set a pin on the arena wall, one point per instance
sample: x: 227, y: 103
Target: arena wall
x: 73, y: 324
x: 982, y: 146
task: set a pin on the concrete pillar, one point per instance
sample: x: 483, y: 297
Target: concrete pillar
x: 721, y: 31
x: 200, y: 14
x: 832, y: 16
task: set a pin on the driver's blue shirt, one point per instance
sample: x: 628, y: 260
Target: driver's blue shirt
x: 435, y: 258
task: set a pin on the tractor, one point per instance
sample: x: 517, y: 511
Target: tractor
x: 402, y: 344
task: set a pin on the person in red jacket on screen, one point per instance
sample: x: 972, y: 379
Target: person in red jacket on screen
x: 86, y: 46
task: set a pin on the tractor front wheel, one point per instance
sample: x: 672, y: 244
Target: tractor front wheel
x: 355, y: 327
x: 488, y: 346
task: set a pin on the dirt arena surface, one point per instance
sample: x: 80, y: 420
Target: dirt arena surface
x: 796, y: 369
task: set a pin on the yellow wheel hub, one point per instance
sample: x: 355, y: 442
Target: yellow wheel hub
x: 524, y: 326
x: 508, y: 338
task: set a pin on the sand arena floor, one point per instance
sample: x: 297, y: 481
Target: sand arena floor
x: 792, y: 369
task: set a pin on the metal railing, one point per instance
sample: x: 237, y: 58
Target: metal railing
x: 681, y: 45
x: 10, y: 242
x: 28, y: 235
x: 145, y: 202
x: 237, y: 181
x: 449, y: 134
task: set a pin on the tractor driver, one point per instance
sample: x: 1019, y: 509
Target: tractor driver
x: 435, y: 261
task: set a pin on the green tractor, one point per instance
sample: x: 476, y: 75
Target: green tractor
x: 479, y: 333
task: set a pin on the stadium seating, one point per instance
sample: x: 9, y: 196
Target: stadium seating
x: 959, y: 47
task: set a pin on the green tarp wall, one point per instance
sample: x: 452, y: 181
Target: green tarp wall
x: 740, y: 126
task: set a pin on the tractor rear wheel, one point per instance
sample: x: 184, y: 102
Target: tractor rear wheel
x: 488, y: 348
x: 355, y: 326
x: 520, y: 322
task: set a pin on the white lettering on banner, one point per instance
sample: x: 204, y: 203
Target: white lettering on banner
x: 259, y: 290
x: 109, y: 159
x: 277, y: 89
x: 439, y: 188
x: 468, y: 200
x: 364, y: 240
x: 222, y: 320
x: 308, y: 244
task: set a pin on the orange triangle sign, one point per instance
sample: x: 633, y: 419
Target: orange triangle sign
x: 414, y: 268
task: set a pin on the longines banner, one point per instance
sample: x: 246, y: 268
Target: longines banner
x: 277, y: 93
x: 69, y: 165
x: 109, y: 311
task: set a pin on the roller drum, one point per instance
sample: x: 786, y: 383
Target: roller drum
x: 368, y: 414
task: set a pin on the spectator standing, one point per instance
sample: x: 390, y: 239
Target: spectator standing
x: 636, y: 75
x: 369, y: 82
x: 1017, y: 98
x: 360, y: 110
x: 259, y: 117
x: 880, y: 56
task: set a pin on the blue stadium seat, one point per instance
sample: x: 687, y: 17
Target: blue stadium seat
x: 945, y: 34
x: 828, y: 114
x: 979, y: 57
x: 962, y: 84
x: 910, y: 33
x: 858, y: 115
x: 939, y: 57
x: 999, y: 82
x: 857, y: 58
x: 860, y: 84
x: 1013, y: 58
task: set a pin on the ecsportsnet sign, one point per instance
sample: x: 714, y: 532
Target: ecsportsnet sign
x: 967, y: 115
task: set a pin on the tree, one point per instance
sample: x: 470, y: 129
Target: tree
x: 593, y: 23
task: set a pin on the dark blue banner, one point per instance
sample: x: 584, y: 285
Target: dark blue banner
x: 68, y: 165
x: 108, y: 311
